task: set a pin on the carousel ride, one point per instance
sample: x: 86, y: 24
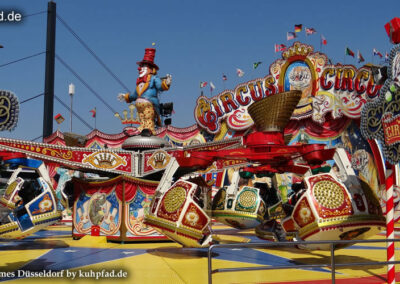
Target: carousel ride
x: 328, y: 202
x: 151, y: 189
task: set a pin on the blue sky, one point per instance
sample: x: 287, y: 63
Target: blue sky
x: 195, y: 41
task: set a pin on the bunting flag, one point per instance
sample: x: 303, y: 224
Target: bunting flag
x: 255, y: 64
x: 386, y: 57
x: 212, y: 86
x: 290, y: 35
x: 376, y: 52
x: 360, y: 57
x: 203, y: 84
x: 224, y: 78
x: 239, y: 72
x: 298, y: 28
x: 323, y: 40
x: 93, y: 111
x: 310, y: 31
x: 59, y: 118
x: 280, y: 47
x: 349, y: 52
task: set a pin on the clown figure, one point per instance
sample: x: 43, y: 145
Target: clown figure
x: 145, y: 96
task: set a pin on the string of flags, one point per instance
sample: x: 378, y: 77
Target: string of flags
x: 256, y: 64
x: 349, y: 52
x: 376, y: 52
x: 282, y: 47
x: 93, y: 111
x: 360, y: 57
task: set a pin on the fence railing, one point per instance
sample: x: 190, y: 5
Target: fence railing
x: 264, y: 245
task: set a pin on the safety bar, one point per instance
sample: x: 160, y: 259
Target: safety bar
x: 332, y: 264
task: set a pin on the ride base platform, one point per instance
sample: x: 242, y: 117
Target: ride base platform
x: 53, y: 251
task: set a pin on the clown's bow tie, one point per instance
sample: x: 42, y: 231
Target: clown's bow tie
x: 141, y: 80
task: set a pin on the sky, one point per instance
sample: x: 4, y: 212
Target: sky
x: 195, y: 41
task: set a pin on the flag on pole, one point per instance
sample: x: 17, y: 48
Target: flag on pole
x: 360, y: 57
x: 93, y: 111
x: 310, y: 31
x: 349, y: 52
x: 203, y: 84
x: 280, y: 47
x: 323, y: 40
x: 212, y: 86
x: 239, y: 72
x: 255, y: 64
x: 290, y: 35
x: 59, y: 118
x: 376, y: 52
x: 224, y: 78
x: 298, y: 28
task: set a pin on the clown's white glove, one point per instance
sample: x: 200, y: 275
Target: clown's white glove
x: 168, y: 80
x: 121, y: 97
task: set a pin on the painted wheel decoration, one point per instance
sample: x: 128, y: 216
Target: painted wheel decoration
x: 192, y: 218
x: 45, y: 205
x: 329, y: 194
x: 174, y: 199
x: 9, y: 110
x: 247, y: 199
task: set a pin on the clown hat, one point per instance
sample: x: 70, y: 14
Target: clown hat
x: 149, y: 58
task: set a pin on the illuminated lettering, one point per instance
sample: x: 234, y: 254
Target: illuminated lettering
x: 217, y: 108
x: 338, y: 78
x: 239, y: 96
x: 362, y: 75
x: 347, y: 81
x: 325, y: 84
x: 270, y: 88
x: 227, y: 102
x: 253, y: 92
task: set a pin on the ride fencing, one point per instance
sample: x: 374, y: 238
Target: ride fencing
x: 332, y: 263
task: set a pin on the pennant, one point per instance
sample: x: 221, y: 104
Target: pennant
x: 203, y: 84
x: 349, y: 52
x: 386, y: 57
x: 376, y: 52
x: 298, y: 28
x: 212, y: 86
x: 323, y: 40
x: 93, y: 111
x: 280, y: 47
x: 224, y: 78
x: 290, y: 35
x: 310, y: 31
x: 255, y: 64
x: 239, y: 72
x: 59, y: 118
x: 360, y: 57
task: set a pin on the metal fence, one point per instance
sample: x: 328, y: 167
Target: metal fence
x: 264, y: 245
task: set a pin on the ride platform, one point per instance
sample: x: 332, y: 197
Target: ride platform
x: 53, y: 251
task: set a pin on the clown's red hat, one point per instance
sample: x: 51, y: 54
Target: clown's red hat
x: 148, y: 58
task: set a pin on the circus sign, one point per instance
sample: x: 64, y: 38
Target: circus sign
x: 381, y: 117
x: 391, y: 128
x: 341, y: 90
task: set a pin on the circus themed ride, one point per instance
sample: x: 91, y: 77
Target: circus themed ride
x: 283, y: 155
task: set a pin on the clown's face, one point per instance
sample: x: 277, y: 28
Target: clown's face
x: 143, y: 70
